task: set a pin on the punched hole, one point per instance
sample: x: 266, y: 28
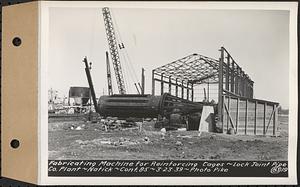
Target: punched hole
x: 15, y: 143
x: 17, y: 41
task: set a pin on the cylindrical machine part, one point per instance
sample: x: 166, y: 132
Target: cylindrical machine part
x: 145, y: 106
x: 141, y: 106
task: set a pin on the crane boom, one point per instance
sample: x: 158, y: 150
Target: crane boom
x: 109, y: 84
x: 113, y: 48
x: 89, y: 78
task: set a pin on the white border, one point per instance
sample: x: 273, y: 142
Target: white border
x: 43, y: 178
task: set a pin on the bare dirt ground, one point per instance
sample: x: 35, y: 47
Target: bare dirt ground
x: 86, y: 140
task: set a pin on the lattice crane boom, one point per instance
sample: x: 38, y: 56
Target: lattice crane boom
x: 109, y: 82
x: 113, y: 48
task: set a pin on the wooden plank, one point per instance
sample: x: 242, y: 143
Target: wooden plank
x: 230, y: 119
x: 270, y: 119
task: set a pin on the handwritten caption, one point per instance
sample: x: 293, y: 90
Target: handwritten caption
x: 165, y: 168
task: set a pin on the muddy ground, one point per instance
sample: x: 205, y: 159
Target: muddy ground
x: 85, y: 140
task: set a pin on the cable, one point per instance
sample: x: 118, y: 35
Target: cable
x: 126, y: 56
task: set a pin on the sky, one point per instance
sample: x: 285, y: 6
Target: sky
x: 258, y: 40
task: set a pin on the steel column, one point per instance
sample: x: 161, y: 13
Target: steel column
x: 187, y: 91
x: 220, y: 93
x: 153, y: 83
x: 232, y: 77
x: 162, y: 84
x: 176, y: 87
x: 227, y: 72
x: 182, y: 89
x: 192, y: 92
x: 170, y: 85
x: 208, y: 91
x: 143, y: 81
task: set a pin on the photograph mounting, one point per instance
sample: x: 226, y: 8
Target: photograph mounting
x: 164, y: 90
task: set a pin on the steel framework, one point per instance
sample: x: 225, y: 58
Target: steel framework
x: 196, y: 69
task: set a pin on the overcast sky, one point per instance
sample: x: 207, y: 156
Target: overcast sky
x: 257, y: 39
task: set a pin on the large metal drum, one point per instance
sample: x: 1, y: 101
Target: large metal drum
x: 145, y: 106
x: 129, y: 105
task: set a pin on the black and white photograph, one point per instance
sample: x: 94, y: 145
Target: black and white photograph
x: 168, y: 91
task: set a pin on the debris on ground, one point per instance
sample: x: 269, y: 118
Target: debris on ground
x: 178, y: 143
x: 184, y: 136
x: 163, y: 130
x: 112, y: 138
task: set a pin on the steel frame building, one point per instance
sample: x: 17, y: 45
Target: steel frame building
x: 233, y: 86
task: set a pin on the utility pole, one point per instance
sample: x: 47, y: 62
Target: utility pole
x: 143, y: 82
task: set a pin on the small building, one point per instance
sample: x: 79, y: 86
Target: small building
x: 81, y: 95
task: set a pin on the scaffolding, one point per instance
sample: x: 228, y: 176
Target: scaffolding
x: 223, y: 82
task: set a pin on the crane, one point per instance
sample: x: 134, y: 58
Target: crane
x: 113, y: 48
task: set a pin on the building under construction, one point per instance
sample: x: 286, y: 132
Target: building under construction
x: 222, y: 82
